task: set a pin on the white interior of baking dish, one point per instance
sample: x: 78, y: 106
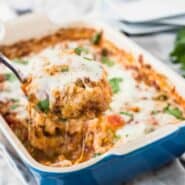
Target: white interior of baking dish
x: 36, y: 25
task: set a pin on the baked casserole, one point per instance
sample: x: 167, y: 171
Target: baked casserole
x: 98, y: 96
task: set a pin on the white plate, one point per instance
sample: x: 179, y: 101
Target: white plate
x: 146, y: 10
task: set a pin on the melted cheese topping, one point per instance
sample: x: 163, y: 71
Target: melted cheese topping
x: 131, y: 95
x: 43, y: 83
x: 127, y: 87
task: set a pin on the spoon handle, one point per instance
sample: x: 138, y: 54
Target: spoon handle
x: 4, y: 60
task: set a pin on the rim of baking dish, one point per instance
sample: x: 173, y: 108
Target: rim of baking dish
x: 133, y: 146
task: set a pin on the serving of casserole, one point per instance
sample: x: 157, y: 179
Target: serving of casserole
x: 91, y: 99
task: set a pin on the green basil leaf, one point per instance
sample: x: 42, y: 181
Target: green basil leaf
x: 10, y: 77
x: 127, y: 114
x: 65, y: 68
x: 107, y: 61
x: 115, y: 84
x: 14, y: 106
x: 80, y: 50
x: 43, y: 105
x: 96, y: 38
x: 174, y: 111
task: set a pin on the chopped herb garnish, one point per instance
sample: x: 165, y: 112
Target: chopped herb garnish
x: 107, y: 61
x: 126, y: 135
x: 155, y: 112
x: 14, y: 106
x: 127, y: 114
x: 64, y: 68
x: 86, y: 58
x: 97, y: 154
x: 21, y: 61
x: 80, y: 50
x: 174, y: 111
x: 96, y: 38
x: 115, y: 84
x: 43, y: 105
x: 117, y: 137
x: 10, y: 77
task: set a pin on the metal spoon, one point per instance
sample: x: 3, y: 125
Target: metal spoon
x: 4, y: 60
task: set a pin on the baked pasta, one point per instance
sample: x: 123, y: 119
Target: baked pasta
x: 98, y: 95
x: 70, y: 86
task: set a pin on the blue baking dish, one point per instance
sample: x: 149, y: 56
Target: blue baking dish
x: 124, y: 161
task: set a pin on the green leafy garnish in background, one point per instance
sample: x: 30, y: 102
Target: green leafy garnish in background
x: 21, y: 61
x: 96, y: 38
x: 107, y: 61
x: 178, y: 53
x: 10, y: 77
x: 174, y: 111
x: 43, y: 105
x: 80, y: 50
x: 115, y: 84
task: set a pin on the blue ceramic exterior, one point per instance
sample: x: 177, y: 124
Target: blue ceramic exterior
x: 114, y: 169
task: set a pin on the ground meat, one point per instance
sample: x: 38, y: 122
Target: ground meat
x: 84, y: 98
